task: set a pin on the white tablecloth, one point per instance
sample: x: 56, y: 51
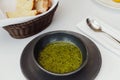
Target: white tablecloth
x: 68, y: 14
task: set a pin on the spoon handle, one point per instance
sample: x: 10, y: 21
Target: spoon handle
x: 113, y: 33
x: 112, y: 36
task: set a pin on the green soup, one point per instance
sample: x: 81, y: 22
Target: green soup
x: 60, y: 57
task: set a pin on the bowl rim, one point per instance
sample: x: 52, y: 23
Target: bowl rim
x: 65, y: 32
x: 11, y: 21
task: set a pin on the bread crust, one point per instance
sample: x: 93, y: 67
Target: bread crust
x: 42, y: 5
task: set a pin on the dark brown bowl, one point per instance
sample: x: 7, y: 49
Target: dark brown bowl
x: 65, y: 36
x: 31, y: 27
x: 32, y: 71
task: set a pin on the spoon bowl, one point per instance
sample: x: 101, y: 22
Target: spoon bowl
x: 94, y: 25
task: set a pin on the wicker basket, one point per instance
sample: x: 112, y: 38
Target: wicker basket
x: 29, y: 28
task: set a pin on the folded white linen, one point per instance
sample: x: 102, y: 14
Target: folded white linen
x: 2, y: 16
x: 101, y: 38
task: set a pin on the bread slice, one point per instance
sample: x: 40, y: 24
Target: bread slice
x: 42, y: 5
x: 19, y: 13
x: 25, y: 4
x: 29, y: 8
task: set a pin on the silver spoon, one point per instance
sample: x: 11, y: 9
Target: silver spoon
x: 97, y: 28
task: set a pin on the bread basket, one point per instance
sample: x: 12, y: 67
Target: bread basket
x: 28, y: 26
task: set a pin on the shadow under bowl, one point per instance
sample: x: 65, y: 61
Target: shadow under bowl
x: 54, y: 36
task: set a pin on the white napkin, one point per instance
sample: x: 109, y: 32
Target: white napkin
x: 101, y: 38
x: 2, y: 16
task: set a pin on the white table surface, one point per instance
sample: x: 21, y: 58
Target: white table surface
x: 68, y: 14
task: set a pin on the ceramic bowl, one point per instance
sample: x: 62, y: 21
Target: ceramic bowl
x: 54, y: 36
